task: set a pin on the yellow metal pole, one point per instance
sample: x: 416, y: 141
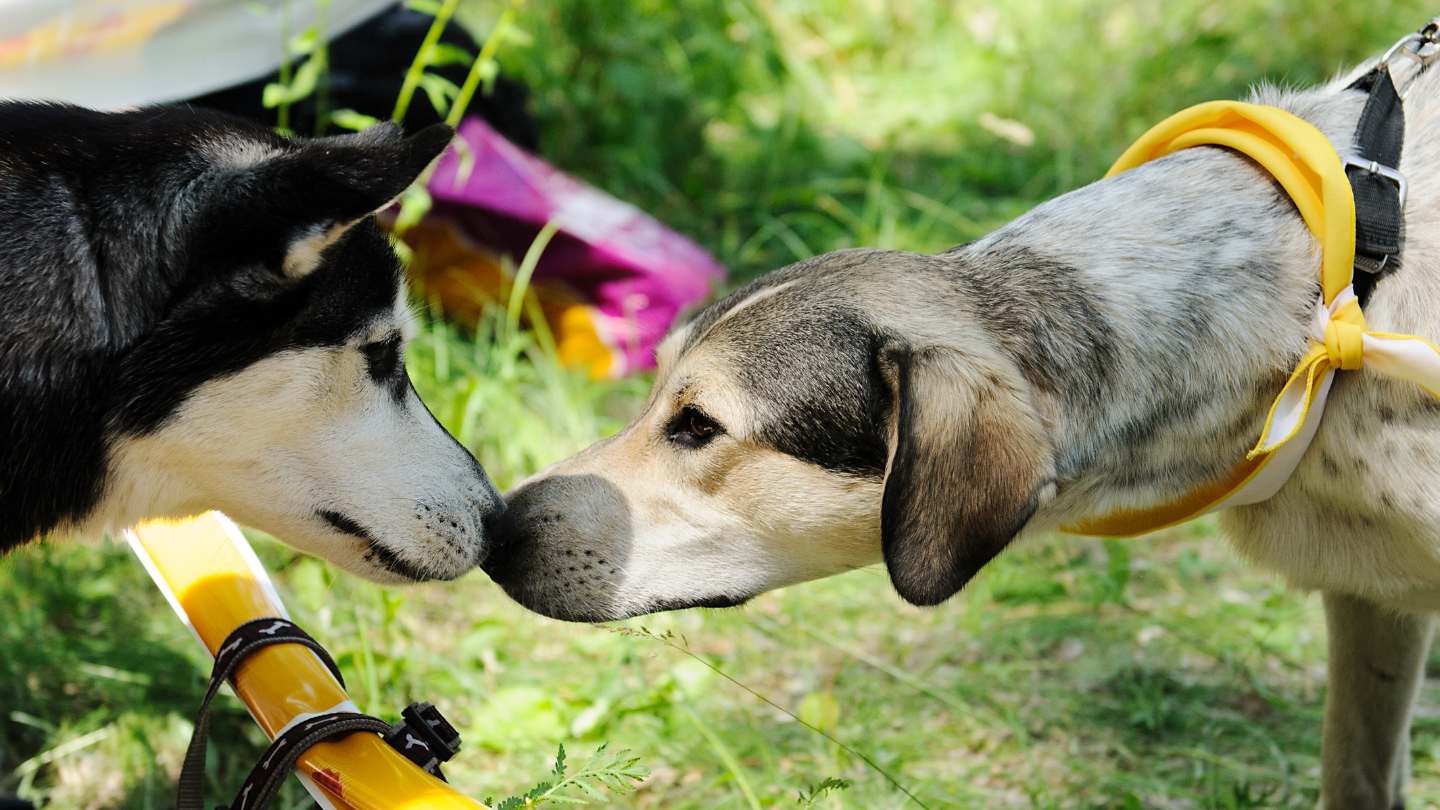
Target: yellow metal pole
x: 208, y: 572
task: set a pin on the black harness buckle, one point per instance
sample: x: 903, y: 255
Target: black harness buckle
x: 1376, y: 182
x: 1365, y: 262
x: 1374, y: 167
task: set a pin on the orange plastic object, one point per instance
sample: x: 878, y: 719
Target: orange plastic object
x: 208, y: 572
x: 467, y: 278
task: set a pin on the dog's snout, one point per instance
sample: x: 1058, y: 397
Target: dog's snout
x: 536, y: 517
x: 560, y: 546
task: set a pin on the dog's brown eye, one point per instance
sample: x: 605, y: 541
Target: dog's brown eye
x: 692, y: 428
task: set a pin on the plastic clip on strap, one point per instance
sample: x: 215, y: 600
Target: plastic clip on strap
x: 423, y: 736
x: 271, y: 771
x: 419, y: 743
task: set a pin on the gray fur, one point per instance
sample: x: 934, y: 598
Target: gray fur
x: 1146, y: 321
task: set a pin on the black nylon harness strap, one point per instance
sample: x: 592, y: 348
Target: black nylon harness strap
x: 1374, y: 180
x: 244, y: 640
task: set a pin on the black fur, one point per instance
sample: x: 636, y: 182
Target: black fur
x: 835, y: 420
x: 386, y: 367
x: 142, y: 254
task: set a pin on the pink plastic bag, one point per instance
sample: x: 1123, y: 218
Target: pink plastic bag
x: 613, y: 279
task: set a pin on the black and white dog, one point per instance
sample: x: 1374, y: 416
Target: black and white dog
x: 196, y: 313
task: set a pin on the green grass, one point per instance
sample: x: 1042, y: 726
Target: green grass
x: 1072, y: 674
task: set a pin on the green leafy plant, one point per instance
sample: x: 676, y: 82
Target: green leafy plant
x: 605, y: 774
x: 1108, y: 585
x: 679, y: 643
x: 449, y: 100
x: 299, y: 80
x: 807, y: 797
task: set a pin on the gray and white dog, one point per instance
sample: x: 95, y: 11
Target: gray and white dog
x: 1117, y: 347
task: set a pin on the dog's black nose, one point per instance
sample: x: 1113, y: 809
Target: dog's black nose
x: 493, y: 525
x: 501, y: 542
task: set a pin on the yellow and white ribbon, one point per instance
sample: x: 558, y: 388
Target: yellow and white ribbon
x: 1339, y: 339
x: 1302, y: 160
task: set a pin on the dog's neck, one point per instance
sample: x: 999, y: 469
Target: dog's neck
x: 1155, y: 314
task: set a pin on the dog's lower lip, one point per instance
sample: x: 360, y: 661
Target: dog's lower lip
x: 718, y: 601
x: 392, y: 562
x: 342, y: 523
x: 375, y: 551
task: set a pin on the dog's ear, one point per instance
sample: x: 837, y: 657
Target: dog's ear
x: 286, y: 208
x: 968, y: 466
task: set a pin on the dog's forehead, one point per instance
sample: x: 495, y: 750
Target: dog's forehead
x: 782, y: 319
x: 695, y: 357
x: 785, y: 336
x: 777, y: 352
x: 814, y: 286
x: 797, y: 358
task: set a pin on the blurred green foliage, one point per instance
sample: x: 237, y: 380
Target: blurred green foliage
x: 775, y: 129
x: 1073, y: 674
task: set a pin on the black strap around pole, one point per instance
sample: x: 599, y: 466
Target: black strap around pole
x: 423, y: 736
x: 246, y: 639
x: 271, y: 771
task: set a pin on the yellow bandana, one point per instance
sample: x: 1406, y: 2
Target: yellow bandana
x: 1307, y: 166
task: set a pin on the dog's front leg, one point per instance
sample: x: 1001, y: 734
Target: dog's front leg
x: 1377, y: 661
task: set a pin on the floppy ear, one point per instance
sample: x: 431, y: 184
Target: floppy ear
x: 969, y: 464
x: 283, y: 211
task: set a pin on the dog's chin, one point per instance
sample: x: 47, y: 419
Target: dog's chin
x: 668, y: 605
x: 381, y: 575
x: 388, y: 568
x: 369, y: 560
x: 566, y: 607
